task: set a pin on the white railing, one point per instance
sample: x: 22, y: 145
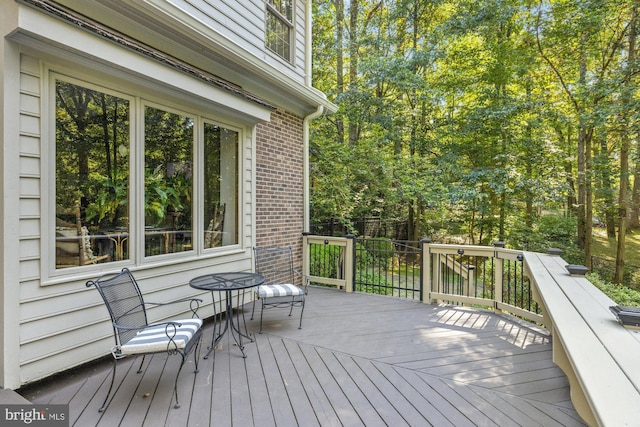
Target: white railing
x: 484, y: 276
x: 336, y: 256
x: 597, y: 354
x: 459, y: 274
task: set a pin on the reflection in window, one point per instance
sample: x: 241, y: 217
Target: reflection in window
x: 91, y: 176
x: 220, y: 186
x: 168, y: 164
x: 280, y: 27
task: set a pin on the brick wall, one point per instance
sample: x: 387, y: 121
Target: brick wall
x: 279, y: 182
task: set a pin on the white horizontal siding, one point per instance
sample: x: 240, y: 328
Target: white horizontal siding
x: 30, y: 145
x: 29, y: 228
x: 29, y: 166
x: 29, y: 170
x: 62, y: 322
x: 29, y: 249
x: 243, y: 22
x: 29, y: 186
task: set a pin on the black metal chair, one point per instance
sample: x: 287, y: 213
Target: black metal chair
x: 134, y: 335
x: 278, y: 289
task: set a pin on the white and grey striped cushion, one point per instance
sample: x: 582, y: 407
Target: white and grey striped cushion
x: 283, y: 290
x: 154, y: 338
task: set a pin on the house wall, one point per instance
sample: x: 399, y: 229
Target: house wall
x: 230, y: 35
x: 53, y: 322
x: 243, y: 22
x: 62, y: 323
x: 279, y: 182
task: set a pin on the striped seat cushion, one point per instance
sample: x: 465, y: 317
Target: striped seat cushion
x: 154, y: 337
x: 283, y: 290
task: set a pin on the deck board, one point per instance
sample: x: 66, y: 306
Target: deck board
x: 360, y: 360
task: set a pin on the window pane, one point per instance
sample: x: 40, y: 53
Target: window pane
x: 92, y: 176
x: 284, y: 7
x: 168, y: 189
x: 278, y: 36
x: 220, y: 186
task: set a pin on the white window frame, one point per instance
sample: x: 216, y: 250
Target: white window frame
x: 270, y: 12
x: 137, y: 258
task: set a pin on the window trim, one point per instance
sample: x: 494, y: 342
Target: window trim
x: 199, y: 204
x: 271, y: 10
x: 48, y: 174
x: 140, y: 176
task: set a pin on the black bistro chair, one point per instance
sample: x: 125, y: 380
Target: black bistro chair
x: 278, y: 289
x: 135, y: 336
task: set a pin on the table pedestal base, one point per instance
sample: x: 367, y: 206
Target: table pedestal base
x: 229, y: 323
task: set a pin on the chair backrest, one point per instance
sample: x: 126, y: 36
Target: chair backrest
x: 275, y: 264
x: 124, y: 301
x: 213, y: 233
x: 73, y: 242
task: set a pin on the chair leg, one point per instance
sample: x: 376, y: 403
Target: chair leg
x: 175, y: 385
x: 293, y: 300
x: 261, y: 314
x: 254, y: 307
x: 196, y: 354
x: 113, y: 378
x: 301, y: 313
x: 141, y: 363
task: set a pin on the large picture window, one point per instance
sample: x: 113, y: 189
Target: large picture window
x: 279, y: 29
x: 220, y: 186
x: 96, y: 170
x: 168, y: 177
x: 92, y: 175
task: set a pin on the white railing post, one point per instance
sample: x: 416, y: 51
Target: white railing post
x: 344, y: 261
x: 436, y: 275
x: 306, y: 255
x: 498, y: 276
x: 349, y: 262
x: 425, y: 271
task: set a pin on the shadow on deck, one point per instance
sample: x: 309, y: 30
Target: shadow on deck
x: 359, y: 360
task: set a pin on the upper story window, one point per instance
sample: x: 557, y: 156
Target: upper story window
x: 279, y: 32
x: 104, y: 169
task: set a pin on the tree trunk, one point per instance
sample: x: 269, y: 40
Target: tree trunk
x: 624, y: 150
x: 353, y: 64
x: 634, y: 215
x: 339, y: 7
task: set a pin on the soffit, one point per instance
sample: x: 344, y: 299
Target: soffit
x: 166, y: 28
x: 62, y: 29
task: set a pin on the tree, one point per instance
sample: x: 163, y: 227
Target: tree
x: 481, y: 116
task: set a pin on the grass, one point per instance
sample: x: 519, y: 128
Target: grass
x: 605, y: 247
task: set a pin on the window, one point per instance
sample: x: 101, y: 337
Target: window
x: 279, y: 29
x: 220, y: 186
x: 96, y: 170
x: 92, y: 175
x: 168, y: 180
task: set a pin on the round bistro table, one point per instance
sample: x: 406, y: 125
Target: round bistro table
x: 230, y: 283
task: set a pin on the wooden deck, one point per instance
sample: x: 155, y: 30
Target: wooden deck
x: 359, y: 360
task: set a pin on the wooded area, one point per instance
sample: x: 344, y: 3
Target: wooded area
x: 506, y: 120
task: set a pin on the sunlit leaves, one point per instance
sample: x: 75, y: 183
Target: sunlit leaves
x: 459, y: 112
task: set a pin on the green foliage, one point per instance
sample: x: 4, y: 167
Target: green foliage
x: 463, y: 117
x: 159, y: 196
x: 550, y: 231
x: 374, y: 253
x: 622, y: 295
x: 324, y: 260
x: 92, y: 154
x: 110, y: 202
x: 365, y: 279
